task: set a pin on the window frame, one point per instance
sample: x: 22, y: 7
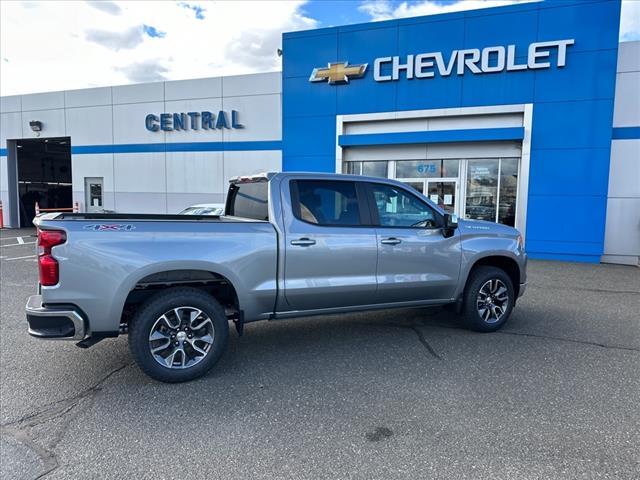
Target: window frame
x: 373, y: 207
x: 361, y: 197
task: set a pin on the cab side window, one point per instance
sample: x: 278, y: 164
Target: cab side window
x: 398, y: 208
x: 325, y: 202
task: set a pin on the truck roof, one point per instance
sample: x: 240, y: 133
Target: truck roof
x: 268, y: 176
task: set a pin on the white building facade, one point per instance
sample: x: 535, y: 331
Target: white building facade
x: 134, y: 162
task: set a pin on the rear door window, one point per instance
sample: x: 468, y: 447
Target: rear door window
x: 249, y: 200
x: 326, y: 202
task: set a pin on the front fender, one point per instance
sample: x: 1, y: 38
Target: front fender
x: 476, y: 248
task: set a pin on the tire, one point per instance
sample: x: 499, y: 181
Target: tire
x: 169, y: 317
x: 486, y: 306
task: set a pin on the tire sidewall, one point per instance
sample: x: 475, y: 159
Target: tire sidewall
x: 478, y: 278
x: 156, y: 306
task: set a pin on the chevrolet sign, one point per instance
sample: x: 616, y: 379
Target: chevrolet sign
x: 487, y: 60
x: 338, y: 72
x: 474, y: 60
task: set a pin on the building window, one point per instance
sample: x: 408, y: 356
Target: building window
x: 492, y: 186
x: 352, y: 168
x: 482, y: 189
x: 508, y: 191
x: 369, y: 169
x: 427, y: 168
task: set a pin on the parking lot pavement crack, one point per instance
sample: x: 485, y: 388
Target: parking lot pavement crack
x: 20, y: 430
x: 544, y: 337
x: 571, y: 340
x: 46, y: 456
x: 413, y: 327
x: 423, y: 340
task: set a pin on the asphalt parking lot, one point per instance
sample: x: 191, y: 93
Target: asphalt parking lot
x: 402, y: 394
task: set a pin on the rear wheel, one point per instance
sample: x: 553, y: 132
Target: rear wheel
x: 178, y: 334
x: 488, y: 299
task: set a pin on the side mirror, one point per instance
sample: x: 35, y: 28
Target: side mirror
x: 450, y: 221
x: 450, y: 224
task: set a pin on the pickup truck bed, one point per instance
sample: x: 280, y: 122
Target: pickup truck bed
x: 108, y: 257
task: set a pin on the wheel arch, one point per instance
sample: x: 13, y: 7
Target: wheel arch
x: 147, y: 283
x: 503, y: 262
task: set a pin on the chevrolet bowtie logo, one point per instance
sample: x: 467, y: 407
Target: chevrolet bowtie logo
x: 339, y: 72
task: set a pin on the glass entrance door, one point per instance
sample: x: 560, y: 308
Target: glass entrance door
x: 443, y: 193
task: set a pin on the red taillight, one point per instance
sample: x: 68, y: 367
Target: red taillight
x: 51, y: 238
x: 47, y: 265
x: 48, y: 270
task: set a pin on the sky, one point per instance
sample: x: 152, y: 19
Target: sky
x: 62, y: 45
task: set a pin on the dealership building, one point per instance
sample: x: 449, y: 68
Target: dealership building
x: 527, y: 115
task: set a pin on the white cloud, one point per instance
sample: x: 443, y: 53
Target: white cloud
x: 386, y: 10
x: 630, y: 20
x: 151, y: 70
x: 105, y: 6
x: 64, y: 45
x: 127, y: 39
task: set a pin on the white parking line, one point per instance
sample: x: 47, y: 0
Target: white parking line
x: 18, y: 244
x: 20, y: 240
x: 20, y: 258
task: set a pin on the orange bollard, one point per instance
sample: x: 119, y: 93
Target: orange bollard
x: 1, y: 216
x: 37, y: 209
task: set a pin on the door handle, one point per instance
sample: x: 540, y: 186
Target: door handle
x: 303, y: 242
x: 390, y: 241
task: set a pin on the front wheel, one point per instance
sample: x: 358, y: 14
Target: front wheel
x: 178, y: 334
x: 488, y: 299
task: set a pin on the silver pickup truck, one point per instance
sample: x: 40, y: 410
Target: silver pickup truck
x: 289, y: 245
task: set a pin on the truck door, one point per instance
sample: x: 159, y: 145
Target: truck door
x: 415, y: 260
x: 330, y: 245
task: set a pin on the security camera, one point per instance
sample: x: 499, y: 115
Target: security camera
x: 35, y: 125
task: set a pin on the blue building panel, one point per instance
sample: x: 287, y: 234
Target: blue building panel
x: 572, y: 103
x: 441, y: 93
x: 433, y: 37
x: 355, y: 46
x: 503, y: 88
x: 583, y: 171
x: 310, y: 163
x: 586, y: 77
x: 303, y: 53
x: 519, y: 28
x: 308, y: 99
x: 594, y: 25
x: 572, y: 124
x: 557, y: 218
x: 299, y: 142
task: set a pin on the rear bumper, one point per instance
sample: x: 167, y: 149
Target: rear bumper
x: 55, y: 323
